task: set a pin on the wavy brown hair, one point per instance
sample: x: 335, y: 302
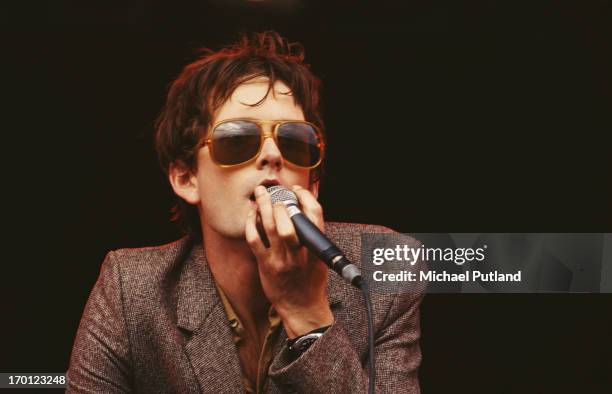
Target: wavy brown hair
x: 206, y: 84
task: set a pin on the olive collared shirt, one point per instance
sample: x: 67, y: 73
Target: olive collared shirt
x: 266, y: 355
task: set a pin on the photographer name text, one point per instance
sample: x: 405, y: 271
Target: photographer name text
x: 444, y: 276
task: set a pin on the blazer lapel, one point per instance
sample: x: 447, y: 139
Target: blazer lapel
x: 209, y: 347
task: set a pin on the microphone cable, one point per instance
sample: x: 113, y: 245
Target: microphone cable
x: 363, y: 286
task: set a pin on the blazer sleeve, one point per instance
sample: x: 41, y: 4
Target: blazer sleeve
x: 331, y: 364
x: 100, y: 359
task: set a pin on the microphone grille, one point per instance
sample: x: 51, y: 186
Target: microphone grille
x: 282, y: 194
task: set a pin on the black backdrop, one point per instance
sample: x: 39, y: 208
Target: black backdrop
x: 441, y: 116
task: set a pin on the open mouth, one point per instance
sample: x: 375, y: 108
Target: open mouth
x: 265, y: 184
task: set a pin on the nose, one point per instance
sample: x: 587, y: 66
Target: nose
x: 270, y: 155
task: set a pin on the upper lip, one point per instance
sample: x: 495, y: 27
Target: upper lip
x: 269, y: 182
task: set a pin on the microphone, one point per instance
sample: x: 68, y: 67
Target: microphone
x: 313, y: 239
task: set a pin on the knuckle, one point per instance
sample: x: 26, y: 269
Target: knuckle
x: 279, y: 208
x: 251, y: 238
x: 278, y: 269
x: 285, y: 233
x: 315, y: 210
x: 262, y: 198
x: 304, y: 195
x: 248, y: 236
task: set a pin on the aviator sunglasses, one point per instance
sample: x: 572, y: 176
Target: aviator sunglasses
x: 238, y: 141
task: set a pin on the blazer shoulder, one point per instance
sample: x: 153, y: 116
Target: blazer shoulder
x: 147, y: 265
x: 148, y: 253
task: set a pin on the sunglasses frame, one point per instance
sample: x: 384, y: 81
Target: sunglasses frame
x: 267, y: 129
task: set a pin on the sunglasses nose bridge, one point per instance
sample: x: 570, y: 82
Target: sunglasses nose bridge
x: 268, y: 130
x: 269, y: 153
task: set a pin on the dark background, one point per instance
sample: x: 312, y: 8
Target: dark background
x: 478, y: 116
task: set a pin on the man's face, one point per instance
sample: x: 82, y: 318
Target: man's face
x: 225, y: 194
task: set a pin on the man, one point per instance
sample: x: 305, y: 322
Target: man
x: 226, y: 308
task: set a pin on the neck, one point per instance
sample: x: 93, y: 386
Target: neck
x: 235, y: 270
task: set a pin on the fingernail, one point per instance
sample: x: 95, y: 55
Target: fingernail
x: 251, y: 212
x: 259, y: 190
x: 297, y: 187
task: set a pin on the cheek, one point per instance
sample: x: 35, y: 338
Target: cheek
x: 301, y: 178
x: 219, y: 186
x: 209, y: 179
x: 212, y: 186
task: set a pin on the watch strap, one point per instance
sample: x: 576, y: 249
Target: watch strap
x: 299, y: 345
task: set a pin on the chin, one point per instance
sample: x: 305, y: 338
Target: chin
x: 227, y: 226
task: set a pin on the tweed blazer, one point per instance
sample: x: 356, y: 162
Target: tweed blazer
x: 154, y: 323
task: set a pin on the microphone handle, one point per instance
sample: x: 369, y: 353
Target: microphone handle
x: 314, y: 240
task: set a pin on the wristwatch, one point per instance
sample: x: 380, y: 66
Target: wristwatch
x: 300, y: 344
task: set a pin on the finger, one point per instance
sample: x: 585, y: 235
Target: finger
x: 284, y: 226
x: 261, y: 231
x: 267, y: 215
x: 310, y: 206
x: 252, y: 235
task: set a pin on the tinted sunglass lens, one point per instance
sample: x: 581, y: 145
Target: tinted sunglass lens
x: 299, y: 143
x: 235, y: 142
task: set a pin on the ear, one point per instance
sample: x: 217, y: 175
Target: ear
x: 184, y: 183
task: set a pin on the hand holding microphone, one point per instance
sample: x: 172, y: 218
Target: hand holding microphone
x: 300, y: 296
x: 292, y: 278
x: 313, y: 238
